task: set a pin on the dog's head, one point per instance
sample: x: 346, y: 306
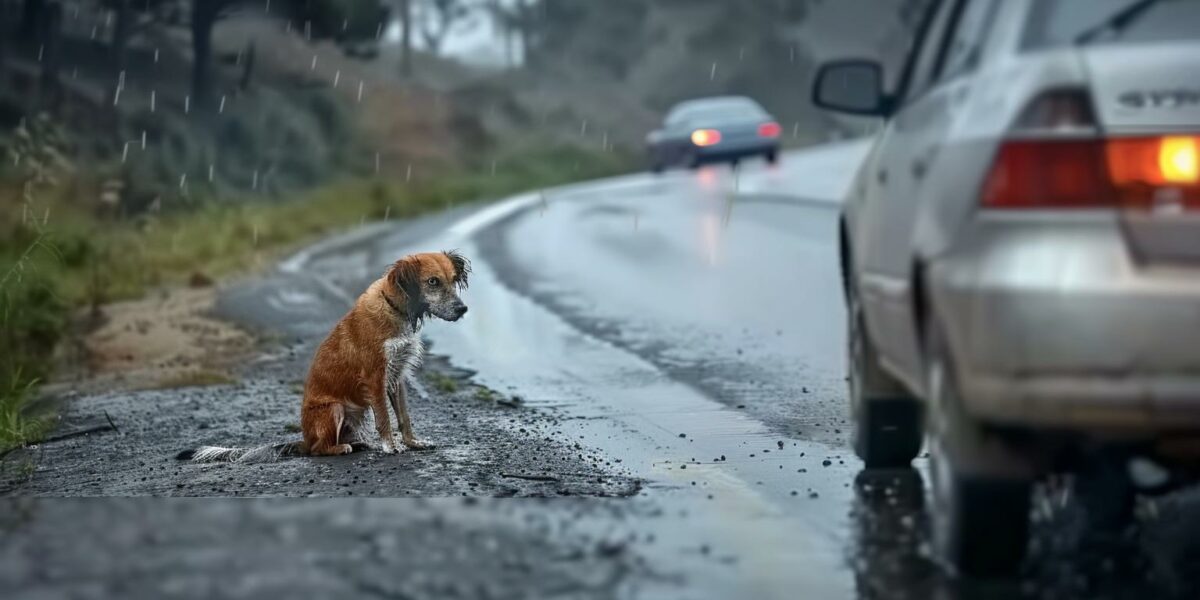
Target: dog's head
x: 428, y: 284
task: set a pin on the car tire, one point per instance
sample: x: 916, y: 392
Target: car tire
x: 981, y: 488
x: 887, y: 420
x: 772, y: 157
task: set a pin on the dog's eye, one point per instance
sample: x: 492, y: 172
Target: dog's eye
x: 433, y: 282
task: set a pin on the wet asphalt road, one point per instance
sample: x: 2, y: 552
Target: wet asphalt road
x: 684, y: 334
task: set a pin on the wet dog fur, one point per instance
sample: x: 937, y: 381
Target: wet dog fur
x: 365, y: 362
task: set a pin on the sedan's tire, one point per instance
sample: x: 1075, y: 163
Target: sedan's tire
x: 981, y: 487
x: 772, y: 156
x: 887, y: 419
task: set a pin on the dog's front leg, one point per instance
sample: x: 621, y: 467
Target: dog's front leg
x: 398, y: 395
x: 383, y: 421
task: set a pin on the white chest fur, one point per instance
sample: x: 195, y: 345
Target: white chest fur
x: 403, y: 357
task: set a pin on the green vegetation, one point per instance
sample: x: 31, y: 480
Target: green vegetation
x: 443, y: 383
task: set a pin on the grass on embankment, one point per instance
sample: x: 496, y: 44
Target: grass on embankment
x: 57, y: 258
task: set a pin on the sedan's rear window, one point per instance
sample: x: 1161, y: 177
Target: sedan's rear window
x: 1060, y: 22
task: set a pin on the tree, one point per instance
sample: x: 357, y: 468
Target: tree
x: 520, y: 18
x: 131, y: 17
x: 338, y: 19
x: 440, y: 17
x: 406, y: 18
x: 204, y: 16
x: 31, y: 18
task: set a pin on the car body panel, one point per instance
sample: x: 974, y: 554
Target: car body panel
x: 1078, y: 319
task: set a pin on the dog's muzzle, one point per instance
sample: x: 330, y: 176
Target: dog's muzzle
x: 458, y: 310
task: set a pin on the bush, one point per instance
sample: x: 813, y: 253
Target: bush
x: 32, y: 320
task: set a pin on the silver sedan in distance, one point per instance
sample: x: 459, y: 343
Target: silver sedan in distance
x: 719, y: 129
x: 1021, y: 260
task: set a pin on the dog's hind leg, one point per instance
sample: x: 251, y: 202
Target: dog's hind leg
x: 324, y: 423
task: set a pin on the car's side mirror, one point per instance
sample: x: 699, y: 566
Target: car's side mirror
x: 852, y: 86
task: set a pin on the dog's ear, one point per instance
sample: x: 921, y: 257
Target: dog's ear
x: 462, y: 268
x: 406, y: 275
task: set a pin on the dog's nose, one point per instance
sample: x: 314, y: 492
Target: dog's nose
x: 461, y: 310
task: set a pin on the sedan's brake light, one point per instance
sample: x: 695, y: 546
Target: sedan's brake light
x: 769, y: 130
x: 1130, y: 173
x: 1048, y: 174
x: 706, y: 137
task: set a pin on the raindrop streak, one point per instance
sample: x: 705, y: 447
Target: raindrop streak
x: 42, y: 47
x: 125, y: 153
x: 712, y: 74
x: 604, y: 142
x: 187, y: 104
x: 210, y: 172
x: 387, y: 212
x: 153, y: 100
x: 795, y: 129
x: 268, y: 7
x: 254, y: 184
x: 408, y: 173
x: 583, y: 128
x: 360, y: 90
x: 156, y: 56
x: 221, y: 110
x: 337, y: 77
x: 313, y: 67
x: 183, y: 181
x: 143, y: 139
x: 741, y: 53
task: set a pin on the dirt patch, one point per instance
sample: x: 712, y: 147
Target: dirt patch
x: 167, y: 340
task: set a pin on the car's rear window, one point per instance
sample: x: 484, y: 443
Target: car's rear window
x: 1059, y: 22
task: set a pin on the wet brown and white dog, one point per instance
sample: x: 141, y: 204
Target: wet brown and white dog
x: 365, y: 362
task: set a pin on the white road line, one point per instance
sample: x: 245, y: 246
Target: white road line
x: 480, y: 219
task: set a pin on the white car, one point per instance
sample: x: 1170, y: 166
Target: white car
x: 1021, y: 253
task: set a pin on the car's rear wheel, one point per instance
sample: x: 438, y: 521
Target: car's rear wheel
x: 887, y: 420
x: 772, y: 156
x: 981, y: 488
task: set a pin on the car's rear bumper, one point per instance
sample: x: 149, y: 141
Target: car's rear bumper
x: 736, y: 148
x: 1051, y: 323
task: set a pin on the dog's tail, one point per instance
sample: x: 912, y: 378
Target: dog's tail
x: 267, y: 453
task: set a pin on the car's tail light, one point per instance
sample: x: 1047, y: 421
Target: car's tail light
x: 1048, y: 174
x: 1043, y: 169
x: 706, y: 137
x: 769, y: 130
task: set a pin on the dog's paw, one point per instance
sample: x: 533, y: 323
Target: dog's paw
x: 389, y: 447
x: 419, y: 445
